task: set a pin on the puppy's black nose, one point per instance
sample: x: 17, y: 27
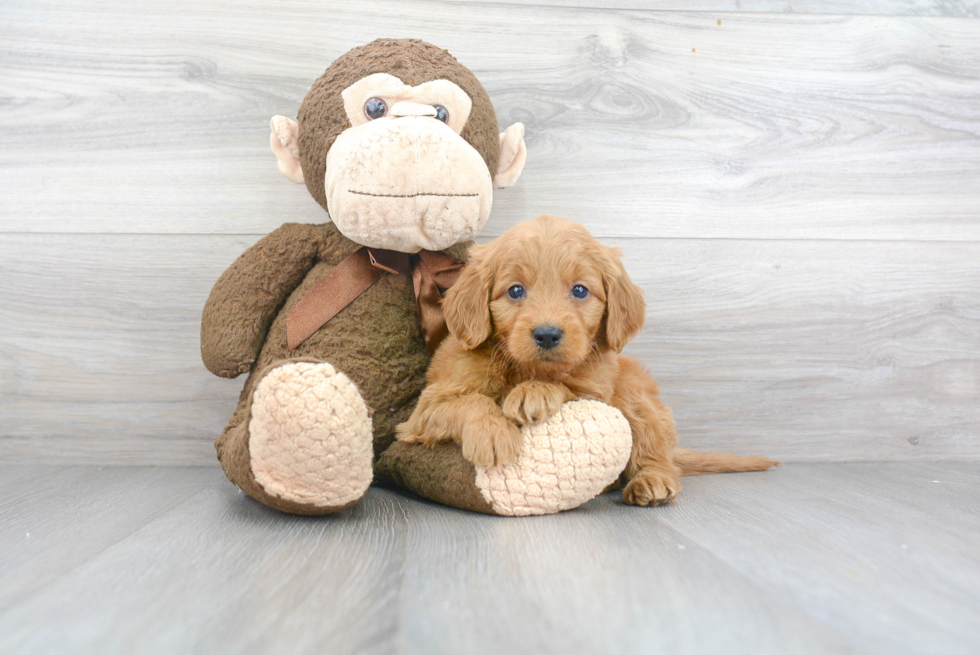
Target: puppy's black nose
x: 547, y: 336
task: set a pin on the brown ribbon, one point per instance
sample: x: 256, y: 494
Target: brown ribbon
x: 353, y: 276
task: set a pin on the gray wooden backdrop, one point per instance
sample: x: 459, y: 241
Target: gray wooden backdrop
x: 796, y: 185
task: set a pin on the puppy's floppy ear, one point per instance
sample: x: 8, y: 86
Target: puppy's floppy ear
x: 467, y: 304
x: 625, y: 307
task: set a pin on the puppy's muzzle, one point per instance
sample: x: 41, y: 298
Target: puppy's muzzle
x: 547, y: 336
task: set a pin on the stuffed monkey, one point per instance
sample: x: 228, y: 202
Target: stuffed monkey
x: 335, y: 323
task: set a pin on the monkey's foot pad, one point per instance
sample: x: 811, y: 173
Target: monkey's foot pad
x: 564, y: 461
x: 310, y: 436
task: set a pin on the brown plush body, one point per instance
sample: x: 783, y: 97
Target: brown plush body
x: 376, y: 340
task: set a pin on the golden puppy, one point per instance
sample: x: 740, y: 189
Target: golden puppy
x: 537, y: 318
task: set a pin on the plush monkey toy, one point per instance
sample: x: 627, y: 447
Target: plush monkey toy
x: 335, y: 323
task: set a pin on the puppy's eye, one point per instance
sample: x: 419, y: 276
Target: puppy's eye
x: 516, y: 292
x: 580, y: 291
x: 442, y: 113
x: 375, y: 108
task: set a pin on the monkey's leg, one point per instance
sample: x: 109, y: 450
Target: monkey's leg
x: 301, y: 441
x: 564, y: 461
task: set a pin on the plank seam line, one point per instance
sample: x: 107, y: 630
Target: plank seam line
x: 493, y: 236
x: 709, y: 12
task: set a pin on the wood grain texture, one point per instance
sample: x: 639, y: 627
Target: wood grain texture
x: 659, y: 124
x: 796, y: 192
x: 602, y: 579
x: 855, y: 543
x: 799, y: 350
x: 954, y: 9
x: 221, y: 573
x: 56, y: 519
x: 818, y: 558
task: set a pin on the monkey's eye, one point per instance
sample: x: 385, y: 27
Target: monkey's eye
x: 442, y: 113
x: 375, y: 108
x: 516, y: 292
x: 579, y: 291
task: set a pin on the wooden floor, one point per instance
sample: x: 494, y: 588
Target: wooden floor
x: 810, y: 558
x: 793, y: 183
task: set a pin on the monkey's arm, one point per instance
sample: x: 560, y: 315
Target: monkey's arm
x: 248, y: 295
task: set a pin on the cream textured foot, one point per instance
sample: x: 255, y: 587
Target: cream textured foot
x: 564, y: 461
x: 310, y: 436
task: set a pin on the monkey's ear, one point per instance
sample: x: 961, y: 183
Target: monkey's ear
x: 285, y: 144
x: 513, y: 154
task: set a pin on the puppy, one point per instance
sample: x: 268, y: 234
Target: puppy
x: 537, y: 318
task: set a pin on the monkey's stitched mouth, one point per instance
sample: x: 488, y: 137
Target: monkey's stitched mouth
x: 414, y: 195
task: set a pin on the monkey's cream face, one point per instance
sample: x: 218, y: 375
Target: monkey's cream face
x: 401, y: 177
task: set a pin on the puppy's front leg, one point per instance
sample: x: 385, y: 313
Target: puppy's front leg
x: 472, y: 420
x: 651, y: 476
x: 533, y: 401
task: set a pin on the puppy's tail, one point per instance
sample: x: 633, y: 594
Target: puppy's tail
x: 695, y: 463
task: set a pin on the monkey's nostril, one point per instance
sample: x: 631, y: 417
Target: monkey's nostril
x: 547, y: 336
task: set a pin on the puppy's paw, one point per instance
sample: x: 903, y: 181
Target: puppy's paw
x: 649, y: 488
x: 406, y: 432
x: 491, y: 441
x: 414, y: 429
x: 530, y: 402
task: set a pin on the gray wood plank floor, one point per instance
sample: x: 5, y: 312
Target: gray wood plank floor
x: 810, y: 558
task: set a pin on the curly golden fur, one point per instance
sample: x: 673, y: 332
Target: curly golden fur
x: 537, y: 318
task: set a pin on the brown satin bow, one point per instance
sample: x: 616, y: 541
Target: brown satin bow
x: 353, y: 276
